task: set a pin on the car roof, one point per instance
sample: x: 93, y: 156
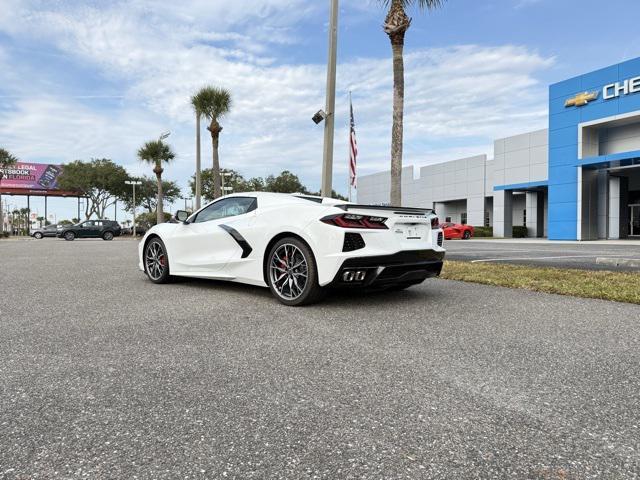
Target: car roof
x: 275, y: 198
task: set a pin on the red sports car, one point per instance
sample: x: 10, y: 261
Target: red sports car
x: 457, y: 230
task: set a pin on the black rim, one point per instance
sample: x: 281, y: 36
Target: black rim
x: 155, y: 260
x: 289, y: 271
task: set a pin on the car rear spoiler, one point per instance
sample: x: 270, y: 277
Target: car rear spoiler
x: 398, y: 210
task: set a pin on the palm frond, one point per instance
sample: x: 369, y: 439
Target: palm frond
x: 423, y: 4
x: 212, y: 102
x: 156, y: 151
x: 6, y: 158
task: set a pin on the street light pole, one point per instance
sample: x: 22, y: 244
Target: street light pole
x: 198, y: 165
x: 133, y: 183
x: 327, y: 157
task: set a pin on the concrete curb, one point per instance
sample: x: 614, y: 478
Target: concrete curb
x: 619, y: 262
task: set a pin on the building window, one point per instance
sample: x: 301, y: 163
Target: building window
x: 447, y: 219
x: 463, y: 218
x: 524, y: 217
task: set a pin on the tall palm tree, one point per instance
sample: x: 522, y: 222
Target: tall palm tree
x: 195, y: 106
x: 213, y: 103
x: 157, y: 153
x: 395, y: 26
x: 6, y: 160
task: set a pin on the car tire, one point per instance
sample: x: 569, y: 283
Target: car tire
x: 107, y: 236
x: 466, y: 235
x: 69, y: 236
x: 37, y: 236
x: 290, y: 262
x: 156, y: 261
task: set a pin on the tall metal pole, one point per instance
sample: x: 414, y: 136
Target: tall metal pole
x: 134, y: 210
x: 327, y: 157
x: 198, y: 165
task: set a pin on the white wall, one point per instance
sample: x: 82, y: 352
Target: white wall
x: 522, y: 158
x: 619, y: 139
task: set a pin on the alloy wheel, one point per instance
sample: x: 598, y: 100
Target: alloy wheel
x: 289, y: 271
x: 155, y: 260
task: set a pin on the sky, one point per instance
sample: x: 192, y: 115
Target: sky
x: 96, y: 79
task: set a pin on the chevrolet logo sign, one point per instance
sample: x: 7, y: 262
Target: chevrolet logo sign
x: 581, y: 99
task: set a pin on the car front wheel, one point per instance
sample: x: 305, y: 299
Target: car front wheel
x: 108, y: 236
x: 37, y: 236
x: 156, y: 262
x: 69, y: 236
x: 292, y: 273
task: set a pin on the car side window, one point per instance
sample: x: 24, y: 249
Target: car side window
x: 87, y: 225
x: 228, y: 207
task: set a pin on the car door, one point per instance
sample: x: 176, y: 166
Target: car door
x: 204, y: 245
x: 86, y: 229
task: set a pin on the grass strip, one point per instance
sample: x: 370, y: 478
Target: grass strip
x: 605, y: 285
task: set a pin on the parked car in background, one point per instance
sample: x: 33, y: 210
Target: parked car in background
x: 105, y: 229
x: 457, y: 230
x: 48, y: 231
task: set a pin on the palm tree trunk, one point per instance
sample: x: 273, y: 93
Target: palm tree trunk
x: 215, y: 130
x: 198, y: 165
x: 396, y: 25
x: 398, y: 126
x: 159, y: 206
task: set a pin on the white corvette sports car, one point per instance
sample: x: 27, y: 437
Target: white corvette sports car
x: 296, y: 245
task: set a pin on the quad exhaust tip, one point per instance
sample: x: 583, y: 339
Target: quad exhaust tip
x: 353, y: 276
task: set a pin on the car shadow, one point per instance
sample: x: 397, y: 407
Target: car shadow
x: 334, y: 297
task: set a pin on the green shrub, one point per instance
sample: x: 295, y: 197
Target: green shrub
x: 519, y: 231
x: 483, y: 231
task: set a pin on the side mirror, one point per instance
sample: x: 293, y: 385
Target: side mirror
x: 182, y: 215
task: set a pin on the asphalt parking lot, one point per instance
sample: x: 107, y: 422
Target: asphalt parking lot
x: 583, y: 255
x: 105, y: 375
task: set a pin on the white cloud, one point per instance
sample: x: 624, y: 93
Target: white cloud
x: 458, y: 98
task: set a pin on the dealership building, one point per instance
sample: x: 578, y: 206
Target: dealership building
x: 577, y: 180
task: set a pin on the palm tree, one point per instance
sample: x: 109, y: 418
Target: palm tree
x: 6, y: 160
x: 157, y: 153
x: 213, y: 103
x: 395, y: 26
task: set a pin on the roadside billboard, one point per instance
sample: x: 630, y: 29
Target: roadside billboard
x: 31, y: 176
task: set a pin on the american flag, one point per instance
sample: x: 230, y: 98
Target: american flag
x: 353, y: 150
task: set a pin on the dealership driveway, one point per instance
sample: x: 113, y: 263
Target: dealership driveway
x: 105, y: 375
x: 583, y: 255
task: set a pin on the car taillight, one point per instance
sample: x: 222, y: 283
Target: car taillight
x: 349, y: 220
x: 435, y: 223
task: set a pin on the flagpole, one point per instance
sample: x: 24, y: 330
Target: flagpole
x: 349, y: 156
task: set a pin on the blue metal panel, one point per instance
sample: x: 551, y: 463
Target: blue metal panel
x: 599, y: 109
x: 567, y: 211
x: 562, y: 230
x: 629, y: 69
x: 595, y: 80
x: 570, y: 117
x: 564, y: 155
x: 628, y: 103
x: 563, y: 192
x: 521, y: 186
x: 565, y: 88
x: 563, y: 137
